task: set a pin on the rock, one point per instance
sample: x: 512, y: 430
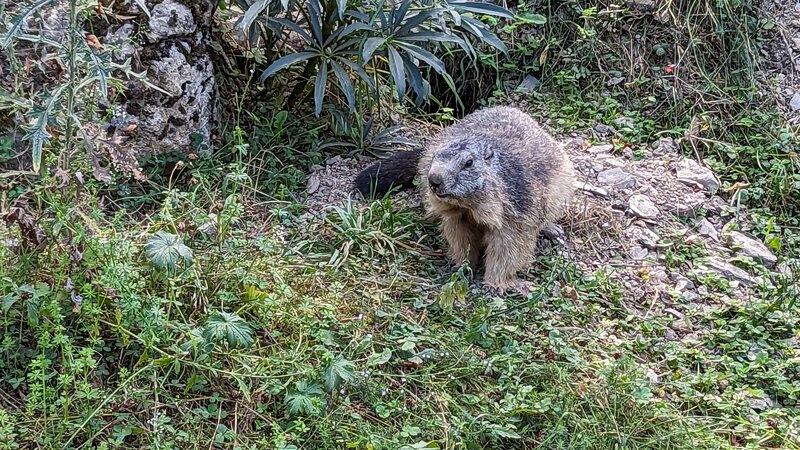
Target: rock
x: 794, y: 103
x: 170, y: 19
x: 313, y: 184
x: 586, y: 187
x: 683, y: 284
x: 689, y: 296
x: 665, y: 146
x: 785, y: 269
x: 690, y: 204
x: 670, y: 335
x: 625, y: 122
x: 638, y: 253
x: 730, y: 271
x: 613, y: 82
x: 209, y: 228
x: 761, y: 404
x: 643, y: 5
x: 716, y: 205
x: 691, y: 173
x: 121, y: 38
x: 334, y: 160
x: 752, y: 248
x: 706, y: 229
x: 604, y: 148
x: 617, y: 178
x: 528, y: 84
x: 643, y: 207
x: 647, y: 238
x: 604, y: 129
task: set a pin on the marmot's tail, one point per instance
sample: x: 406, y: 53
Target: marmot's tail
x: 397, y: 171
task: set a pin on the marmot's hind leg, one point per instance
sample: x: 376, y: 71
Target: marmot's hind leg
x: 507, y: 253
x: 463, y: 241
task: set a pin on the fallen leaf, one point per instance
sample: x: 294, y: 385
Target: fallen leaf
x: 92, y: 41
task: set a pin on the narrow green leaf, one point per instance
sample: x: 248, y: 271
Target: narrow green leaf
x: 252, y: 14
x: 292, y: 26
x: 315, y: 20
x: 483, y: 8
x: 359, y: 71
x: 345, y: 84
x: 319, y: 87
x: 370, y: 46
x: 417, y: 20
x: 286, y: 61
x: 398, y: 74
x: 424, y: 55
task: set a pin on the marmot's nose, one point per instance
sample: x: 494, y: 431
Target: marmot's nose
x: 435, y: 179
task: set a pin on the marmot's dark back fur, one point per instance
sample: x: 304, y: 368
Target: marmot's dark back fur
x: 397, y: 171
x: 495, y: 179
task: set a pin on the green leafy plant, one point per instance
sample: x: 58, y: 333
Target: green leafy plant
x: 228, y: 327
x: 343, y: 39
x: 165, y: 250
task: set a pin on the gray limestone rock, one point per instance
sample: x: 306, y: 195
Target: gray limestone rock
x: 643, y: 207
x: 693, y: 174
x: 752, y: 248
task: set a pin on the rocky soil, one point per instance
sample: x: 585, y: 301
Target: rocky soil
x: 657, y: 217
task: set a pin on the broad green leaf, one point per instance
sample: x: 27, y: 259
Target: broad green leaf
x: 338, y: 372
x: 286, y: 61
x: 165, y: 249
x: 319, y: 87
x: 536, y: 19
x: 379, y: 358
x: 397, y: 71
x: 302, y: 399
x: 228, y: 327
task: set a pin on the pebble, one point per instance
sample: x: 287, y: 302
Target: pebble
x: 683, y: 284
x: 604, y: 148
x: 690, y: 204
x: 643, y: 207
x: 691, y: 173
x: 590, y: 188
x: 647, y: 238
x: 617, y: 178
x: 794, y: 103
x: 638, y: 253
x: 752, y: 248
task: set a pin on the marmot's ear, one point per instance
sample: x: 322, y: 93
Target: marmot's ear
x: 488, y: 152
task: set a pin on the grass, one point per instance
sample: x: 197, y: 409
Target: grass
x: 255, y: 332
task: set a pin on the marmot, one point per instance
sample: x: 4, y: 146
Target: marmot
x: 496, y: 179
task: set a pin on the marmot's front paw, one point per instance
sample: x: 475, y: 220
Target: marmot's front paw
x: 522, y: 287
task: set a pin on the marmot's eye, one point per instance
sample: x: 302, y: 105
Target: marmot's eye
x: 468, y: 164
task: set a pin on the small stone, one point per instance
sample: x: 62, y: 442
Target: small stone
x: 683, y: 284
x: 528, y: 84
x: 334, y: 160
x: 604, y: 129
x: 617, y: 178
x: 670, y: 335
x: 797, y: 6
x: 638, y: 253
x: 691, y: 173
x: 604, y: 148
x: 647, y: 238
x: 313, y: 184
x: 624, y: 122
x: 716, y: 205
x: 761, y: 404
x: 644, y: 5
x: 706, y: 229
x: 170, y: 18
x: 689, y: 296
x: 643, y: 207
x: 794, y: 103
x: 690, y: 204
x: 752, y: 248
x: 729, y: 271
x: 592, y: 189
x: 615, y: 81
x: 666, y: 146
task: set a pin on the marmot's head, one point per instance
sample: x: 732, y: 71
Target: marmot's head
x: 458, y: 168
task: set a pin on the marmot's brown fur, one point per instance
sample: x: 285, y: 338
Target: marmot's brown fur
x: 496, y: 179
